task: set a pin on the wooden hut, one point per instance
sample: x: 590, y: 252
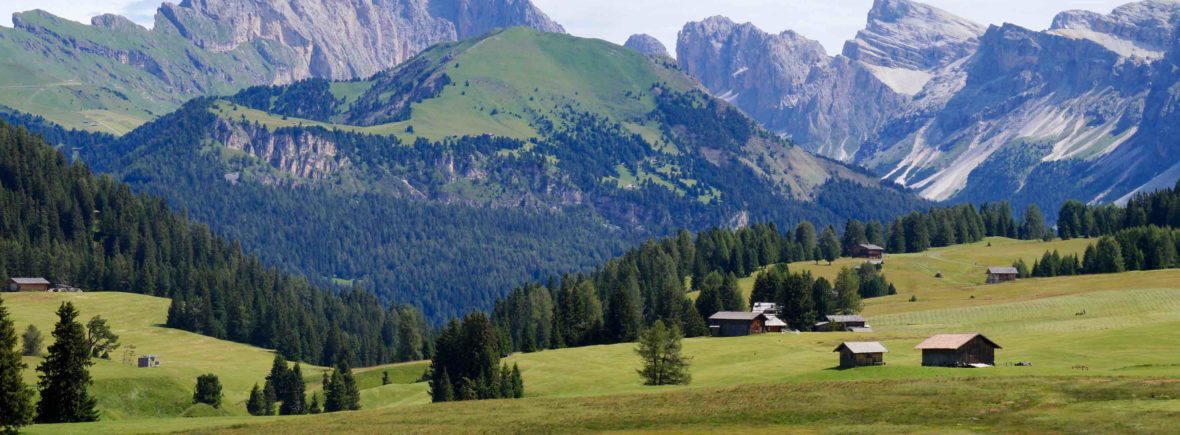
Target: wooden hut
x: 736, y: 323
x: 861, y: 354
x: 958, y: 350
x: 996, y: 275
x: 27, y: 285
x: 775, y: 324
x: 869, y: 251
x: 843, y: 323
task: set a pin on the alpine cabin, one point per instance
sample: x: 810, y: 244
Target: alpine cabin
x: 958, y: 350
x: 869, y: 251
x: 736, y: 323
x: 996, y: 275
x: 843, y: 323
x: 27, y: 285
x: 861, y: 354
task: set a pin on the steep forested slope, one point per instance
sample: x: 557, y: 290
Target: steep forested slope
x: 59, y: 221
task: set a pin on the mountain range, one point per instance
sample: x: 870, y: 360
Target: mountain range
x: 963, y: 112
x: 478, y: 164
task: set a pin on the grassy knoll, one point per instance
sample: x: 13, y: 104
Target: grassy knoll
x: 1128, y: 340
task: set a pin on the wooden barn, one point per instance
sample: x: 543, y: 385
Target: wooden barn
x: 736, y: 323
x: 869, y: 251
x: 843, y: 323
x: 27, y: 285
x: 861, y: 354
x: 996, y: 275
x: 958, y: 350
x: 775, y: 324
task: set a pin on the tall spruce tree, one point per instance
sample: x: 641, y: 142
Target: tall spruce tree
x: 16, y: 399
x: 295, y: 394
x: 65, y: 374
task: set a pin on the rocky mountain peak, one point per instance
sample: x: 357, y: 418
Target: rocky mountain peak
x: 1142, y: 29
x: 913, y: 36
x: 647, y: 45
x: 342, y: 40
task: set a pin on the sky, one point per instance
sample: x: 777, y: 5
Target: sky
x: 831, y: 22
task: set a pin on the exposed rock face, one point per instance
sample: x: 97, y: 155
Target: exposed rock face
x: 341, y: 40
x: 959, y: 112
x: 789, y: 83
x: 302, y: 155
x: 647, y: 45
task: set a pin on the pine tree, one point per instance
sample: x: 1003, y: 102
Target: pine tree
x: 351, y: 393
x: 256, y: 404
x: 443, y: 390
x: 269, y: 396
x: 208, y: 390
x: 314, y: 408
x: 504, y: 387
x: 16, y: 399
x: 385, y: 377
x: 334, y: 400
x: 659, y: 348
x: 100, y: 338
x: 32, y: 341
x: 295, y: 394
x: 65, y: 374
x: 277, y: 381
x: 517, y: 382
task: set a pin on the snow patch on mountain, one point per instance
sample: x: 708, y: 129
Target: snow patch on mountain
x: 901, y: 80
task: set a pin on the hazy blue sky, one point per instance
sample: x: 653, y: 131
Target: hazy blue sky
x: 829, y: 21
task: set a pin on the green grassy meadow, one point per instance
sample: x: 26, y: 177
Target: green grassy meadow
x: 1128, y: 341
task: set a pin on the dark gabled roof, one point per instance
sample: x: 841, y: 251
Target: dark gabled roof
x: 952, y: 341
x: 871, y: 247
x: 1002, y: 270
x: 29, y: 280
x: 844, y: 319
x: 862, y: 347
x: 736, y: 315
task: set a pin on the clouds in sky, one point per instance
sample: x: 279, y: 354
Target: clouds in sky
x: 829, y: 21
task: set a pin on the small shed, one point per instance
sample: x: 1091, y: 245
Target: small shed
x: 28, y: 284
x: 958, y: 350
x: 861, y: 354
x: 996, y: 275
x: 869, y: 251
x: 148, y: 361
x: 775, y: 324
x: 737, y: 323
x: 843, y: 323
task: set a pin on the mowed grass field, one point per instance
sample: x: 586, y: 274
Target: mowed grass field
x: 1128, y: 341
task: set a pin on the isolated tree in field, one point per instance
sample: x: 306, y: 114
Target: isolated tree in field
x: 256, y: 404
x: 385, y: 377
x: 16, y: 399
x: 659, y: 348
x: 32, y: 341
x: 208, y: 390
x: 100, y: 338
x: 829, y: 245
x: 65, y: 374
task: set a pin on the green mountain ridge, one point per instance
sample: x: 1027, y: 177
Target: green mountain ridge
x: 478, y: 165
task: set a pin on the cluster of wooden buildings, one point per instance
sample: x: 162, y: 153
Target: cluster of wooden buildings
x: 942, y: 350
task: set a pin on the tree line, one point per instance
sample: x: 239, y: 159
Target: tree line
x: 59, y: 221
x: 1136, y: 248
x: 1160, y: 208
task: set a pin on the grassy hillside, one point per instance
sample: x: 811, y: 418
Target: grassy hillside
x: 1128, y: 340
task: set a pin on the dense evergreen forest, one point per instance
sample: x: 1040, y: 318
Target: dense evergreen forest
x: 59, y: 221
x: 1143, y: 235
